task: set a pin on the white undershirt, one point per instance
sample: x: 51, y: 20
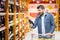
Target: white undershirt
x: 43, y: 26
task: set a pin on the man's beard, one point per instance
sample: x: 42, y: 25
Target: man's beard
x: 40, y: 14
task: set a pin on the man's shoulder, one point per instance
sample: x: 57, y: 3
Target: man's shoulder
x: 37, y: 17
x: 49, y: 14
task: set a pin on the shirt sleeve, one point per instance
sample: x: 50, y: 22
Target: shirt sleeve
x: 52, y: 24
x: 35, y: 23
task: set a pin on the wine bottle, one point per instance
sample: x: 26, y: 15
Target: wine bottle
x: 11, y: 8
x: 10, y: 30
x: 23, y: 36
x: 12, y: 38
x: 2, y: 21
x: 2, y: 6
x: 2, y: 35
x: 10, y: 17
x: 16, y: 36
x: 16, y: 8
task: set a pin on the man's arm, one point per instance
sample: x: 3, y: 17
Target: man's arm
x: 52, y: 24
x: 33, y: 25
x: 31, y: 22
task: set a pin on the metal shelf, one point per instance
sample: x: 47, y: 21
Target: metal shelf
x: 22, y: 13
x: 12, y: 13
x: 2, y: 14
x: 8, y: 14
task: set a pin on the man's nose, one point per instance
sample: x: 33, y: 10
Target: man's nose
x: 39, y: 10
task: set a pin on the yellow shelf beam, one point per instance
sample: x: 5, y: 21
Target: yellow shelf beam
x: 6, y: 21
x: 14, y: 18
x: 57, y: 24
x: 19, y: 19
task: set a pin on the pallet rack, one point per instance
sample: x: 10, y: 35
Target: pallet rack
x: 19, y: 30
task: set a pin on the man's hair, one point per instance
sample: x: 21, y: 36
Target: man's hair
x: 40, y: 6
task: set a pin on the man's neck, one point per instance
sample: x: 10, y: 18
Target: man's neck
x: 42, y: 14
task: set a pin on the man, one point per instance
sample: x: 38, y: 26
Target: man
x: 44, y: 21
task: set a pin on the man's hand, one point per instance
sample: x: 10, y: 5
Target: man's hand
x: 31, y: 25
x: 48, y: 34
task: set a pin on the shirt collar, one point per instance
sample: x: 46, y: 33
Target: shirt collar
x: 45, y: 13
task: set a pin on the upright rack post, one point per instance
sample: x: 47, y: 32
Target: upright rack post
x: 57, y: 24
x: 19, y: 19
x: 14, y: 18
x: 6, y: 21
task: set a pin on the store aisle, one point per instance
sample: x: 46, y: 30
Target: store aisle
x: 28, y: 35
x: 57, y: 37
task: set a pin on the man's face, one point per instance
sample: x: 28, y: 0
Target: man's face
x: 41, y: 11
